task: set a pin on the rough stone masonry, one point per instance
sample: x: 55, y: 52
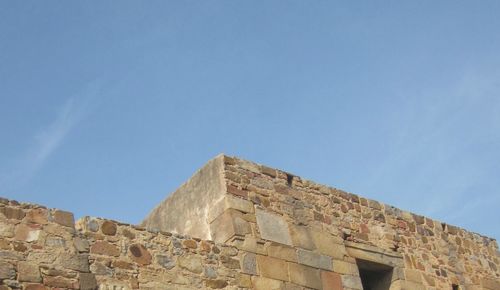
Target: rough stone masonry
x: 240, y: 225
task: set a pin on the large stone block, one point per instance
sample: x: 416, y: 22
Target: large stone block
x: 331, y: 280
x: 282, y: 252
x: 229, y: 224
x: 273, y: 227
x: 262, y: 283
x: 343, y: 267
x: 272, y: 268
x: 28, y: 272
x: 314, y: 259
x: 305, y: 275
x: 301, y: 237
x: 353, y: 282
x: 328, y: 245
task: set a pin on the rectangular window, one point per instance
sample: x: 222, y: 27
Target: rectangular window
x: 374, y: 276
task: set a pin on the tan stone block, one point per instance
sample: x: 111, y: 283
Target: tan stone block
x: 262, y: 283
x: 331, y: 280
x: 272, y: 268
x: 191, y: 263
x: 315, y: 260
x: 406, y: 285
x: 305, y: 275
x: 343, y: 267
x: 244, y: 280
x: 413, y: 275
x: 302, y: 237
x: 250, y: 244
x: 239, y: 204
x: 491, y: 284
x: 229, y: 224
x: 282, y: 252
x: 273, y: 227
x: 328, y: 244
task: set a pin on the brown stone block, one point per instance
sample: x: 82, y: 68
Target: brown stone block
x: 12, y: 213
x: 60, y: 282
x: 305, y: 276
x: 272, y: 268
x: 139, y: 254
x: 34, y: 287
x: 104, y: 248
x: 64, y: 218
x: 108, y: 228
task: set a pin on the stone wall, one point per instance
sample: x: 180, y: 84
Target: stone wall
x: 270, y: 230
x: 42, y: 248
x: 319, y: 227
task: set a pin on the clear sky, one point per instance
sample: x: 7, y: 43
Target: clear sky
x: 106, y: 107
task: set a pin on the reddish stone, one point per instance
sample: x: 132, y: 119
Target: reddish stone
x: 331, y: 280
x: 108, y: 228
x: 236, y: 191
x: 139, y: 254
x: 104, y: 248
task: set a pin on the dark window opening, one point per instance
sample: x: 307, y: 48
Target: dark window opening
x: 454, y: 287
x: 374, y: 276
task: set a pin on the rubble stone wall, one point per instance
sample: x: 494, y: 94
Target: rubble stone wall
x: 326, y: 228
x: 270, y: 230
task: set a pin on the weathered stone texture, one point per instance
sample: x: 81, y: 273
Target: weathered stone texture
x: 272, y: 230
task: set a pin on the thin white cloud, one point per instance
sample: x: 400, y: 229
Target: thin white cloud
x: 51, y: 137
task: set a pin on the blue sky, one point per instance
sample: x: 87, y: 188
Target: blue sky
x: 106, y: 108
